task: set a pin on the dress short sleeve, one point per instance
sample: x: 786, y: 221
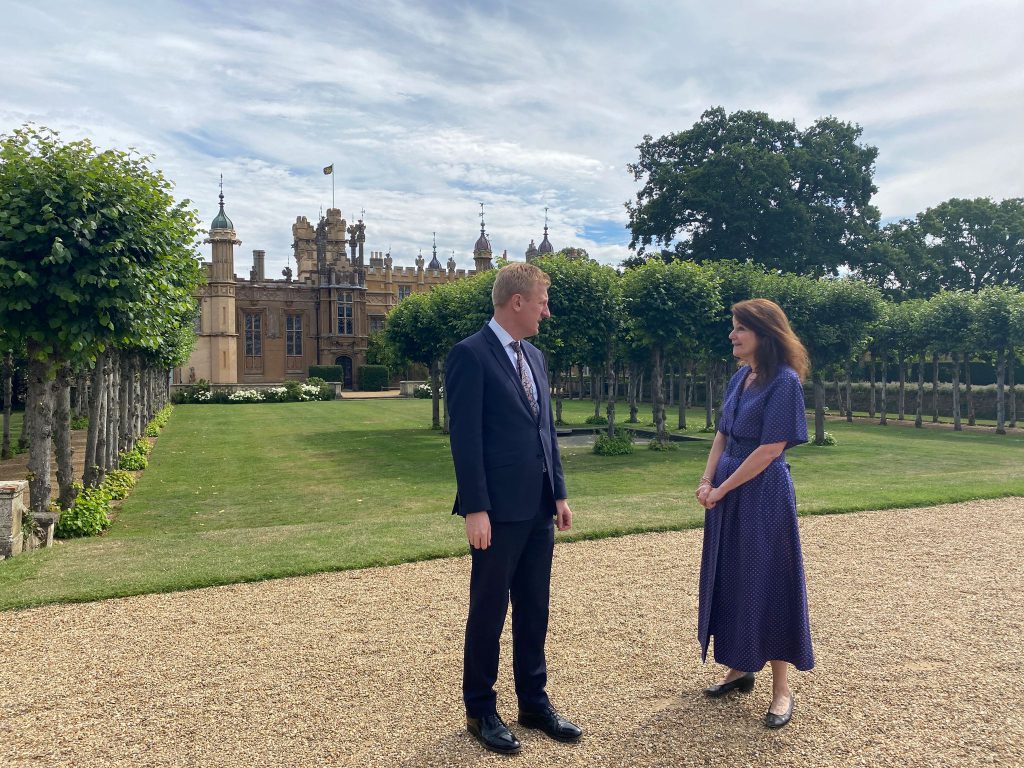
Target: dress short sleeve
x: 784, y: 416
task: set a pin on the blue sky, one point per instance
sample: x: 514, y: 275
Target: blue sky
x: 427, y: 109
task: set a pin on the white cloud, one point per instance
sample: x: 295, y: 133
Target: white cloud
x: 427, y: 109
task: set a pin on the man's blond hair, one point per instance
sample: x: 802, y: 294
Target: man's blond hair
x: 517, y: 277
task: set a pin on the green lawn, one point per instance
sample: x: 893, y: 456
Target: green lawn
x: 247, y: 492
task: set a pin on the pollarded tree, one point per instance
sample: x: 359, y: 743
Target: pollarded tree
x: 585, y: 313
x: 952, y: 318
x: 747, y: 187
x: 833, y: 318
x: 999, y: 326
x: 904, y: 331
x: 88, y: 240
x: 671, y: 307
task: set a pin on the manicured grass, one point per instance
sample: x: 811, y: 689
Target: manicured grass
x: 247, y: 492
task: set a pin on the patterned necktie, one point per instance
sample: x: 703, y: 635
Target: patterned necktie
x: 524, y: 377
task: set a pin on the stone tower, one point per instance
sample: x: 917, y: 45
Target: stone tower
x: 482, y: 250
x: 223, y: 333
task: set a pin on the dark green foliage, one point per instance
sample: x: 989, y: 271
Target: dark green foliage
x: 827, y: 438
x: 747, y: 187
x: 372, y: 378
x: 619, y: 445
x: 327, y: 372
x: 79, y: 422
x: 597, y: 420
x: 88, y: 516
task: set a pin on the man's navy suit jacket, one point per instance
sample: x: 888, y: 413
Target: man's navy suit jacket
x: 500, y: 449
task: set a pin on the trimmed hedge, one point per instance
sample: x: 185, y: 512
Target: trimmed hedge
x: 327, y: 372
x: 372, y: 378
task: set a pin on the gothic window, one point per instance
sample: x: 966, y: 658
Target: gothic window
x: 293, y: 335
x: 404, y: 291
x: 198, y: 325
x: 376, y: 323
x: 345, y: 313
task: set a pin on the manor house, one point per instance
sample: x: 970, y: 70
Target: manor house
x: 266, y: 331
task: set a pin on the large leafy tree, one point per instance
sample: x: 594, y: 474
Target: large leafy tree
x: 999, y: 325
x: 745, y: 186
x: 899, y: 262
x: 953, y: 322
x: 94, y: 253
x: 976, y: 242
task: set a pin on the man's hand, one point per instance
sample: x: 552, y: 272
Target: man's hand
x: 478, y: 530
x: 563, y: 515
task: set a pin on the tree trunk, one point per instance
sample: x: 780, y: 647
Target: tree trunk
x: 971, y: 420
x: 919, y: 407
x: 40, y: 403
x: 633, y: 390
x: 819, y: 409
x: 1011, y: 376
x: 709, y: 396
x: 1000, y: 392
x: 871, y: 397
x: 558, y: 398
x: 613, y: 382
x: 92, y: 436
x: 62, y: 437
x: 935, y: 387
x: 595, y: 393
x: 657, y: 400
x: 5, y: 449
x: 849, y: 394
x: 884, y: 420
x: 957, y: 426
x: 125, y: 403
x: 26, y: 428
x: 839, y: 395
x: 682, y: 394
x: 113, y: 414
x: 446, y: 429
x: 435, y: 396
x: 902, y: 401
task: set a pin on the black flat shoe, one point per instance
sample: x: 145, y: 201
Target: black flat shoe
x: 744, y: 684
x: 773, y: 721
x: 552, y: 723
x: 492, y: 732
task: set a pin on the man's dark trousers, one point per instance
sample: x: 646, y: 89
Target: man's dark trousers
x: 516, y: 565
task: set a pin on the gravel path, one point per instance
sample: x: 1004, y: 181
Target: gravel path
x: 916, y: 614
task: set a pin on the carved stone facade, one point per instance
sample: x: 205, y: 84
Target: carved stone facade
x: 267, y: 331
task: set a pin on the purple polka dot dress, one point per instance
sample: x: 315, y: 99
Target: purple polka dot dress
x: 753, y: 597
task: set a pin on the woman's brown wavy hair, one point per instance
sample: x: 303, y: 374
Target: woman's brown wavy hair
x: 776, y: 343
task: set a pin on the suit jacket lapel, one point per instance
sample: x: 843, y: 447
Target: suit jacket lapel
x: 503, y: 361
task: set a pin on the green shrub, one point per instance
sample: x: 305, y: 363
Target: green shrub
x: 597, y: 420
x: 654, y: 445
x: 118, y: 483
x: 162, y: 417
x: 135, y: 459
x: 619, y: 445
x: 423, y: 392
x: 88, y: 516
x: 80, y: 422
x: 372, y: 378
x: 193, y: 393
x: 316, y: 380
x: 827, y: 439
x: 327, y: 372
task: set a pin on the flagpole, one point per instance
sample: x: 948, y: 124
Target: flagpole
x: 332, y: 185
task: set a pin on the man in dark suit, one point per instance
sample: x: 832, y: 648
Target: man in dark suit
x: 512, y: 493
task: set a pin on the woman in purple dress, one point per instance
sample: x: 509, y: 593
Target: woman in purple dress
x: 753, y: 598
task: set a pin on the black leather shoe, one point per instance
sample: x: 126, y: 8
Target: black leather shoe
x: 552, y: 723
x: 773, y: 721
x: 492, y: 732
x: 744, y: 684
